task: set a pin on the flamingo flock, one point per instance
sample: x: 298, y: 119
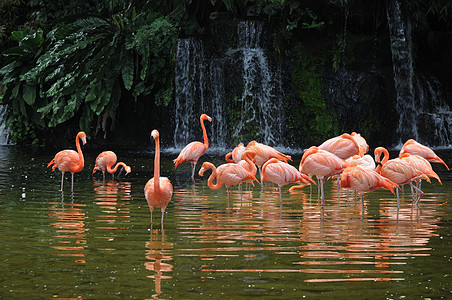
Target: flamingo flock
x: 344, y: 157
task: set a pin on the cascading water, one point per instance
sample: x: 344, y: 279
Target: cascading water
x: 236, y: 87
x: 423, y: 113
x: 4, y: 131
x: 400, y: 35
x: 259, y: 103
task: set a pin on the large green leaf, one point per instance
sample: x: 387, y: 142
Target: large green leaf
x: 127, y: 70
x: 29, y: 94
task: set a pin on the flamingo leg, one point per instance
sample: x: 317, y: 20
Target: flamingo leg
x: 362, y: 204
x: 161, y: 221
x: 420, y: 194
x: 398, y: 199
x: 72, y: 182
x: 229, y: 198
x: 322, y: 181
x: 193, y: 166
x: 280, y: 195
x: 62, y: 180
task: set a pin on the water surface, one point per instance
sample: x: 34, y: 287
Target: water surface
x: 97, y: 243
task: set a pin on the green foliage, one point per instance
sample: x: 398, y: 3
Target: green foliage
x: 21, y: 96
x: 310, y: 113
x: 82, y: 68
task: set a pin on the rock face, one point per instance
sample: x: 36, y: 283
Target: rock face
x: 234, y: 73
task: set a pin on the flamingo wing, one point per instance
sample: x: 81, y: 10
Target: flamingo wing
x: 322, y: 164
x: 104, y: 160
x: 66, y: 161
x: 415, y: 148
x: 192, y: 152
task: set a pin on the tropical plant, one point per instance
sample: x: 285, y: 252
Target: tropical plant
x: 84, y: 67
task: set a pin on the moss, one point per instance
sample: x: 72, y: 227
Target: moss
x: 308, y: 113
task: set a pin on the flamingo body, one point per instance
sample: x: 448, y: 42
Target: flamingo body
x: 282, y: 173
x: 105, y: 162
x: 158, y: 190
x: 70, y: 160
x: 363, y: 179
x: 343, y: 146
x: 399, y: 171
x: 236, y: 155
x: 194, y: 150
x: 413, y: 147
x: 322, y: 164
x: 229, y: 174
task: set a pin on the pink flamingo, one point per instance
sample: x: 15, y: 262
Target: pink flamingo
x: 158, y: 190
x: 413, y: 147
x: 264, y: 153
x: 69, y: 160
x: 398, y: 170
x: 105, y: 162
x: 321, y: 163
x: 236, y: 155
x: 194, y: 150
x: 343, y: 146
x: 229, y: 174
x: 364, y: 179
x: 282, y: 173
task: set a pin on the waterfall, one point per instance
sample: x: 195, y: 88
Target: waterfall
x: 260, y: 105
x: 4, y: 130
x: 237, y: 87
x: 423, y: 112
x: 400, y: 36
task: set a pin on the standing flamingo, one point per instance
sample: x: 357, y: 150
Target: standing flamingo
x: 322, y: 164
x: 228, y: 174
x: 194, y: 150
x: 413, y: 147
x: 364, y: 179
x: 158, y: 190
x: 264, y: 153
x: 69, y: 160
x: 105, y: 162
x: 282, y: 173
x: 398, y: 171
x: 422, y: 165
x: 343, y: 146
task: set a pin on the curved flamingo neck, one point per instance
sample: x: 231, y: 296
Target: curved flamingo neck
x: 157, y: 164
x: 110, y: 170
x: 81, y: 159
x: 204, y: 132
x: 247, y: 157
x: 218, y: 185
x: 385, y: 152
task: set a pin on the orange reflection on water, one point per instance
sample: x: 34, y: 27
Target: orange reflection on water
x: 340, y: 242
x: 70, y: 227
x: 157, y: 252
x: 113, y: 199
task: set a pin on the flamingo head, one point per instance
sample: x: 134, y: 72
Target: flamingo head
x: 127, y: 169
x: 82, y: 136
x: 206, y: 117
x: 155, y: 134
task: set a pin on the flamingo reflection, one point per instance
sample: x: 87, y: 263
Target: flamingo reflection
x: 69, y: 224
x: 112, y: 198
x: 158, y: 250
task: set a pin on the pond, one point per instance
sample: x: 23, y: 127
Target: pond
x: 96, y: 242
